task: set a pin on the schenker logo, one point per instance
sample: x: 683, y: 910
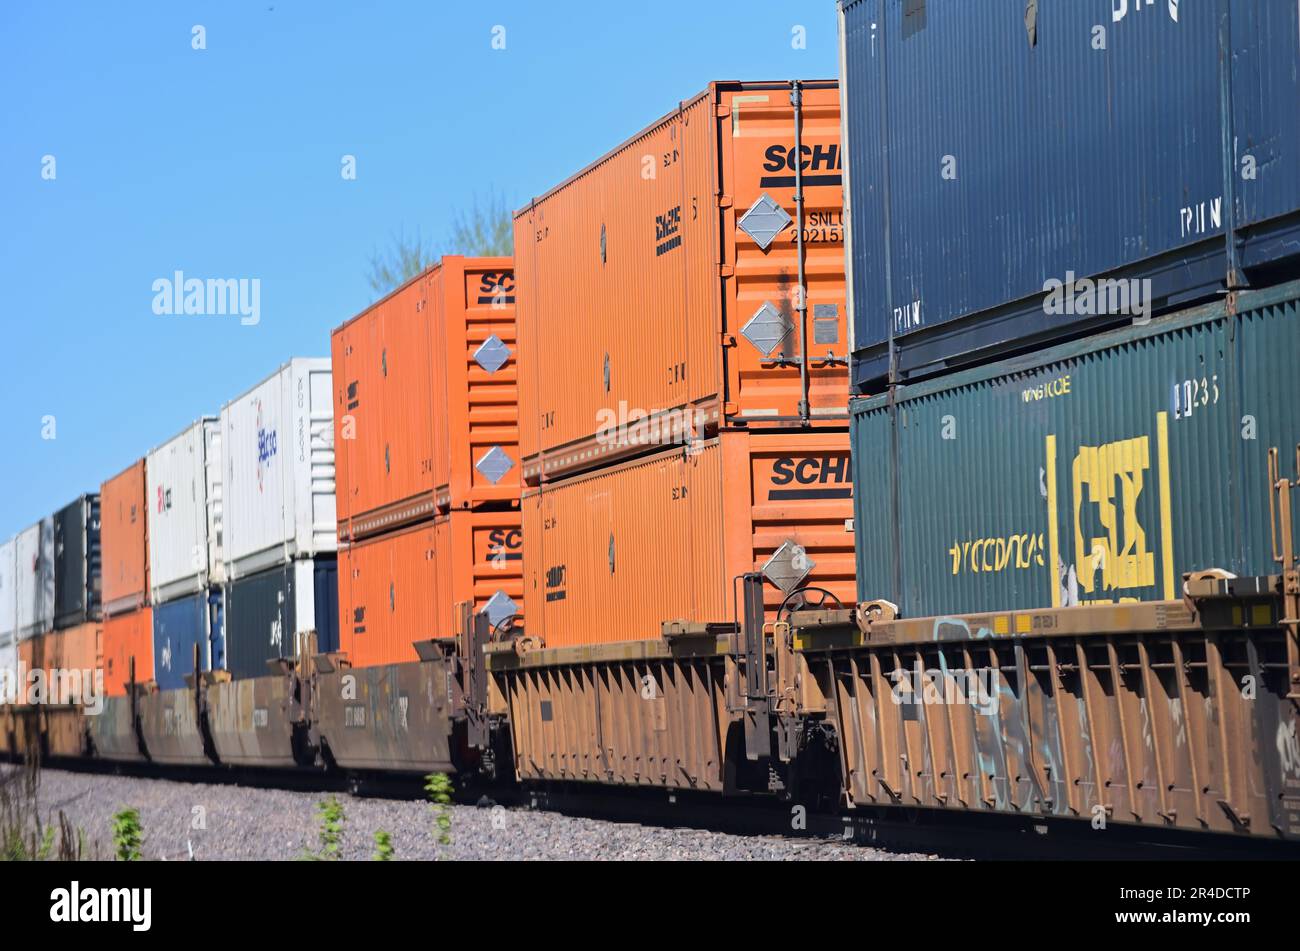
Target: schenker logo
x: 823, y: 159
x: 102, y: 905
x: 497, y: 289
x: 818, y: 477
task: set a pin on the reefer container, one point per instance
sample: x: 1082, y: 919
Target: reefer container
x: 8, y: 589
x: 662, y: 282
x: 72, y: 659
x: 185, y: 512
x: 402, y: 587
x: 277, y: 492
x: 1096, y: 471
x: 611, y: 555
x: 77, y: 561
x: 127, y: 637
x: 266, y: 613
x: 178, y: 628
x: 124, y: 540
x: 11, y: 690
x: 35, y: 570
x: 425, y: 398
x: 995, y: 147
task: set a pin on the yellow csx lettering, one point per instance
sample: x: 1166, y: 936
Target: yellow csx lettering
x: 1107, y: 483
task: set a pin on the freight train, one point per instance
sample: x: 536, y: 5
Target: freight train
x: 771, y: 463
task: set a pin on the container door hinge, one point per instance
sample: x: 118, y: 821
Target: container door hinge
x: 726, y: 270
x: 725, y: 201
x: 722, y: 110
x: 728, y: 340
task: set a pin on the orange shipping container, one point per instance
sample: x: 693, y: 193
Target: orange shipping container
x: 609, y: 556
x: 665, y: 276
x: 425, y: 383
x: 399, y: 588
x: 127, y: 636
x: 124, y: 540
x: 73, y: 650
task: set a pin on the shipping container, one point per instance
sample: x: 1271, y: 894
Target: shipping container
x: 185, y: 512
x: 1096, y: 471
x: 72, y: 660
x: 266, y: 613
x: 425, y: 398
x: 408, y: 586
x: 8, y: 589
x: 662, y: 283
x: 278, y: 486
x: 11, y: 690
x: 128, y: 638
x: 995, y: 147
x: 124, y: 540
x: 181, y: 626
x: 35, y: 570
x: 611, y: 555
x: 77, y: 563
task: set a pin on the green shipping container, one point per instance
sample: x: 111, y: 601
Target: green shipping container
x: 1096, y: 471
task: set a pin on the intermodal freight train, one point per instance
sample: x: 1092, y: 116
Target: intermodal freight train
x: 783, y: 458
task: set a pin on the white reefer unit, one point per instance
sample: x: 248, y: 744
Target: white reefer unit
x: 8, y: 590
x: 278, y: 442
x: 184, y: 495
x: 35, y: 570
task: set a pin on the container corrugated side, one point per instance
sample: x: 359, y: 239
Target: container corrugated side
x: 640, y: 294
x: 609, y: 556
x: 127, y: 637
x: 124, y: 540
x: 184, y: 497
x: 278, y: 485
x: 77, y: 562
x: 72, y: 660
x: 1097, y: 471
x: 266, y: 614
x: 9, y: 589
x: 408, y: 586
x: 35, y: 570
x: 996, y: 146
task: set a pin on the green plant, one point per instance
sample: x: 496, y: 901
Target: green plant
x: 384, y: 850
x: 23, y: 837
x: 127, y: 837
x: 439, y: 788
x: 329, y: 812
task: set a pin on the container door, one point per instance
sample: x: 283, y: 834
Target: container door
x: 761, y: 242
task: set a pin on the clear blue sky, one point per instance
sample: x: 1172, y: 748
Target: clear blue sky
x: 225, y: 162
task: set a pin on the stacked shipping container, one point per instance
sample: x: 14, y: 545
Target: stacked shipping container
x: 428, y: 464
x: 279, y: 519
x: 128, y: 617
x: 995, y: 147
x: 687, y: 290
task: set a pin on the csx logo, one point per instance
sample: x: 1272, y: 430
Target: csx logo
x: 811, y: 471
x: 668, y: 228
x: 780, y: 157
x: 497, y: 287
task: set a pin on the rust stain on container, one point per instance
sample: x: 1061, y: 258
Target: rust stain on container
x: 425, y: 398
x: 127, y: 636
x: 644, y: 288
x: 124, y: 540
x: 403, y: 587
x: 609, y: 556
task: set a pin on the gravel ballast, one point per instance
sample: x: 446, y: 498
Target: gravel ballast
x: 223, y: 822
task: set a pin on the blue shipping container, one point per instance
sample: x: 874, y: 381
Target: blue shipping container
x: 180, y: 625
x: 997, y: 146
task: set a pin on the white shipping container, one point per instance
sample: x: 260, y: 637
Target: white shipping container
x: 184, y: 495
x: 8, y: 589
x: 278, y: 441
x: 9, y: 686
x: 35, y: 570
